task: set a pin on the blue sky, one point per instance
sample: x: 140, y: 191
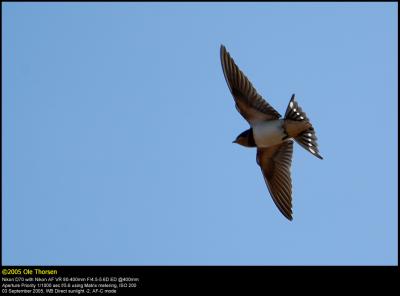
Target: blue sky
x: 117, y: 129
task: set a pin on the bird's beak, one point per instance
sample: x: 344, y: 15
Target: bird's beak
x: 234, y: 141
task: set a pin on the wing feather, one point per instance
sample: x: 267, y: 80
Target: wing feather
x: 248, y: 102
x: 275, y: 163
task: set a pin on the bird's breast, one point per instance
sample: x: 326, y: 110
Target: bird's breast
x: 268, y: 133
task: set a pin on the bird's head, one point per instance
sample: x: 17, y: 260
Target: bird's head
x: 245, y: 139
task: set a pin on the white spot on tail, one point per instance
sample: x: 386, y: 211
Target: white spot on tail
x: 312, y: 151
x: 291, y: 104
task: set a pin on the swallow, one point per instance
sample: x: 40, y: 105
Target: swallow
x: 269, y: 133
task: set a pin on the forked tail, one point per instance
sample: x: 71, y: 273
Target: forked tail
x: 307, y: 139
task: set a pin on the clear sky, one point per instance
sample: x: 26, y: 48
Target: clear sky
x: 118, y: 126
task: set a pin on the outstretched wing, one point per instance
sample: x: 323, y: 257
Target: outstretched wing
x: 275, y: 163
x: 248, y: 102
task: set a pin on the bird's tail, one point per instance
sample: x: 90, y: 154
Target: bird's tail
x: 307, y: 139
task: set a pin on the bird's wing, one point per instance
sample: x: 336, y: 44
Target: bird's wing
x: 275, y: 162
x: 248, y: 102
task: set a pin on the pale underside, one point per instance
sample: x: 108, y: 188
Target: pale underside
x: 268, y: 133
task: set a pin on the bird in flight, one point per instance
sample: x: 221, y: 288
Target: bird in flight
x: 269, y: 133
